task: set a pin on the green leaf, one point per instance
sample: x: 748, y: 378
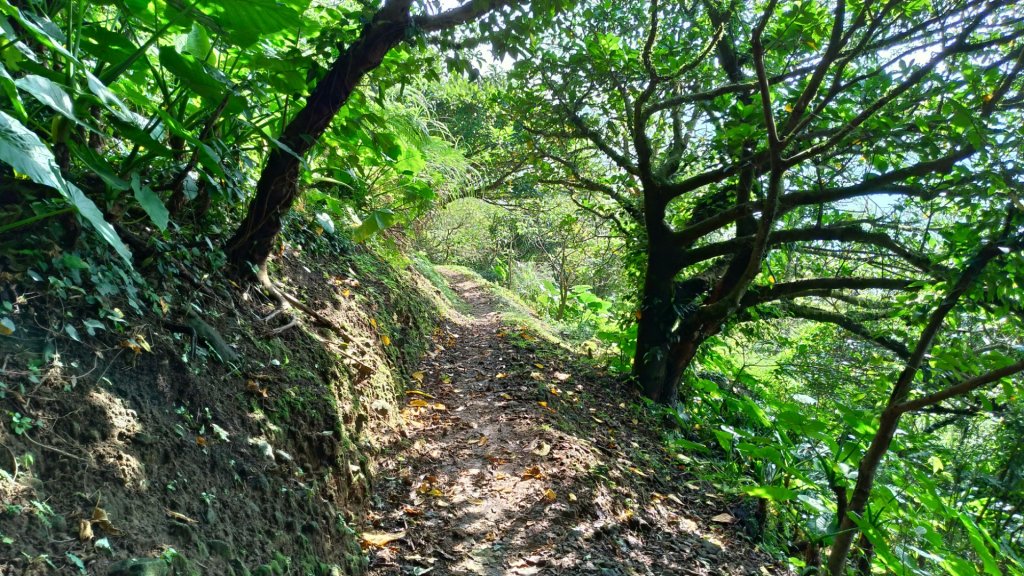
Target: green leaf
x: 773, y: 493
x: 192, y: 73
x: 246, y: 21
x: 26, y: 153
x: 151, y: 203
x: 77, y: 562
x: 49, y: 93
x: 110, y: 100
x: 198, y: 42
x: 10, y: 89
x: 374, y: 223
x: 980, y: 542
x: 684, y: 445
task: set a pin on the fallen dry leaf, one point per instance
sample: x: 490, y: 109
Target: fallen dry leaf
x: 544, y: 449
x: 724, y: 518
x: 550, y: 495
x: 533, y: 472
x: 418, y: 375
x: 179, y: 516
x: 418, y: 403
x: 419, y: 393
x: 99, y: 518
x: 85, y: 530
x: 380, y: 539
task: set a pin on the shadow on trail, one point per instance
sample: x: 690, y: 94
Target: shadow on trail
x: 520, y: 460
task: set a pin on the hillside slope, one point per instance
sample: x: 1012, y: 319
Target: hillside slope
x: 138, y: 451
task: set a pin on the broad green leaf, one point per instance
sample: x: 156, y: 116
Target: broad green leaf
x: 198, y: 42
x: 151, y: 203
x: 49, y: 93
x: 245, y: 21
x: 192, y: 73
x: 374, y: 223
x: 110, y: 100
x: 22, y: 149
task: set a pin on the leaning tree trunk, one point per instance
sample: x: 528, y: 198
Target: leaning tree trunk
x: 277, y: 188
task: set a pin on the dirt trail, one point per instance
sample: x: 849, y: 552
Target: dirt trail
x: 519, y: 462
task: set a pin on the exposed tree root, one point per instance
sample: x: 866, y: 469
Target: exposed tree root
x: 212, y: 336
x: 198, y: 328
x: 285, y: 301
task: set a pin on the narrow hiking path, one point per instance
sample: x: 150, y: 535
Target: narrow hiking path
x: 518, y: 461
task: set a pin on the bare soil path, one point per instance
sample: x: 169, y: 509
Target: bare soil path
x: 521, y: 460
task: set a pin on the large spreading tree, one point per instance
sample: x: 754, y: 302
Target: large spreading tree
x: 817, y: 158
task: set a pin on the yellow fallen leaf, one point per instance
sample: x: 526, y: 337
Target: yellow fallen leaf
x: 418, y: 403
x: 385, y: 340
x: 99, y: 518
x: 543, y: 404
x: 533, y: 472
x: 544, y: 449
x: 500, y: 375
x: 439, y: 406
x: 346, y: 292
x: 572, y: 497
x: 85, y: 530
x: 373, y: 322
x: 506, y: 396
x: 539, y: 366
x: 380, y: 539
x: 418, y: 376
x: 550, y: 495
x: 482, y: 441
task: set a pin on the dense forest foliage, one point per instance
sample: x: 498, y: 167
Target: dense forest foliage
x: 797, y: 227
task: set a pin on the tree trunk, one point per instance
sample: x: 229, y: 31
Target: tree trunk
x: 277, y: 188
x: 653, y: 364
x: 862, y: 490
